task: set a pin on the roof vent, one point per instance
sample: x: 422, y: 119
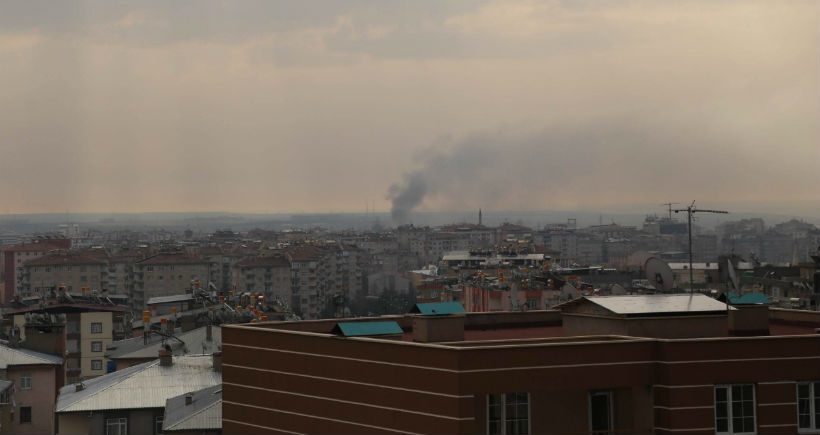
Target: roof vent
x: 79, y: 387
x: 189, y: 398
x: 165, y: 358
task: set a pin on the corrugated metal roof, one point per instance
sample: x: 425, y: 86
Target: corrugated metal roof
x: 204, y: 412
x: 146, y: 385
x: 193, y: 342
x: 358, y: 329
x: 10, y: 356
x: 658, y: 304
x: 438, y: 308
x: 173, y: 298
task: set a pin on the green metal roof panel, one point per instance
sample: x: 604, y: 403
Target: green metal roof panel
x: 360, y: 329
x: 438, y: 308
x: 748, y: 299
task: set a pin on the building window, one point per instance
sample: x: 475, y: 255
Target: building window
x: 96, y: 346
x: 96, y: 364
x: 508, y: 413
x: 25, y: 382
x: 158, y: 424
x: 25, y: 414
x: 735, y: 408
x: 600, y: 412
x: 116, y: 426
x: 5, y: 397
x: 808, y: 406
x: 96, y: 328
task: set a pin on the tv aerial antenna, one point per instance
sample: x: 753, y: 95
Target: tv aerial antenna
x: 690, y: 211
x: 669, y: 206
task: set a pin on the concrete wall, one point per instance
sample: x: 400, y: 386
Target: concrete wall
x: 655, y: 327
x: 41, y: 398
x: 87, y: 337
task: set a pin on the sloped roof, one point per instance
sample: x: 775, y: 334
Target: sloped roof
x: 651, y: 305
x: 748, y: 299
x: 10, y: 356
x: 4, y: 385
x: 360, y: 329
x: 172, y: 298
x: 204, y: 412
x: 437, y: 308
x: 192, y: 342
x: 147, y: 385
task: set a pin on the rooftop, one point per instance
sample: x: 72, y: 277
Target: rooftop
x: 147, y: 385
x: 185, y: 343
x: 652, y: 305
x: 203, y: 413
x: 11, y: 356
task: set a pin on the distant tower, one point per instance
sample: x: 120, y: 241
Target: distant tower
x: 479, y: 216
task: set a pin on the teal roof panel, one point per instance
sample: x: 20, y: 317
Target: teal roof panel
x: 748, y: 299
x: 363, y: 329
x: 438, y: 308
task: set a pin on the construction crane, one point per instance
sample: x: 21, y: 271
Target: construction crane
x: 690, y: 211
x: 669, y: 205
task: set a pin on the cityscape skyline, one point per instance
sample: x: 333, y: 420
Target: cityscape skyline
x: 288, y: 108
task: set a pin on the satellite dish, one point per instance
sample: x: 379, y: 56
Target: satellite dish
x: 659, y: 274
x: 617, y: 289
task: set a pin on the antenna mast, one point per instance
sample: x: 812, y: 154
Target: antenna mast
x: 669, y: 205
x: 690, y: 211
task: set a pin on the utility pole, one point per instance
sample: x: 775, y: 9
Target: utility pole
x: 690, y: 211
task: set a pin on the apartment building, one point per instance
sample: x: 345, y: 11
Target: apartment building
x: 166, y: 274
x: 79, y: 332
x: 270, y: 275
x: 519, y: 372
x: 72, y: 269
x: 13, y: 257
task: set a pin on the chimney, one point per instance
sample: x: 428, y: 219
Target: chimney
x: 209, y: 335
x: 165, y: 358
x: 217, y: 361
x: 189, y: 398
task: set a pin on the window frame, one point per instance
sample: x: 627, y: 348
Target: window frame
x: 29, y: 412
x: 159, y: 420
x: 96, y: 362
x: 503, y: 417
x: 26, y: 381
x: 610, y: 411
x: 98, y: 326
x: 813, y: 398
x: 119, y: 423
x: 729, y: 406
x: 96, y: 346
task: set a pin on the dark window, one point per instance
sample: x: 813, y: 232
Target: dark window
x: 600, y: 412
x: 808, y: 406
x: 96, y: 328
x: 508, y: 414
x: 25, y: 414
x: 735, y: 409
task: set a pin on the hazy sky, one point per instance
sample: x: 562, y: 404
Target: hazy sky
x: 323, y: 106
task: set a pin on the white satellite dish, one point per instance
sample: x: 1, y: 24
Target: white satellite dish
x: 659, y: 274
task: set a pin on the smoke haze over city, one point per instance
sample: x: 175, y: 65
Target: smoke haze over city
x: 283, y: 107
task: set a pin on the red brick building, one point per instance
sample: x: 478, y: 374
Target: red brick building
x: 519, y: 373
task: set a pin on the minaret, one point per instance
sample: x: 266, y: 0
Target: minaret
x: 479, y: 217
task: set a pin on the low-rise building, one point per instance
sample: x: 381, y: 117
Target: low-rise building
x: 28, y: 383
x: 132, y: 401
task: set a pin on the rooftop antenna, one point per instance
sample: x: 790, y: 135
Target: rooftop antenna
x: 690, y: 211
x: 669, y: 205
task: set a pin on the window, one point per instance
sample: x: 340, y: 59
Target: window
x: 25, y: 414
x: 25, y: 381
x: 808, y: 406
x: 96, y: 364
x: 158, y: 424
x: 96, y: 346
x: 116, y: 426
x: 96, y: 328
x: 5, y: 397
x: 600, y: 412
x: 508, y: 413
x: 735, y: 408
